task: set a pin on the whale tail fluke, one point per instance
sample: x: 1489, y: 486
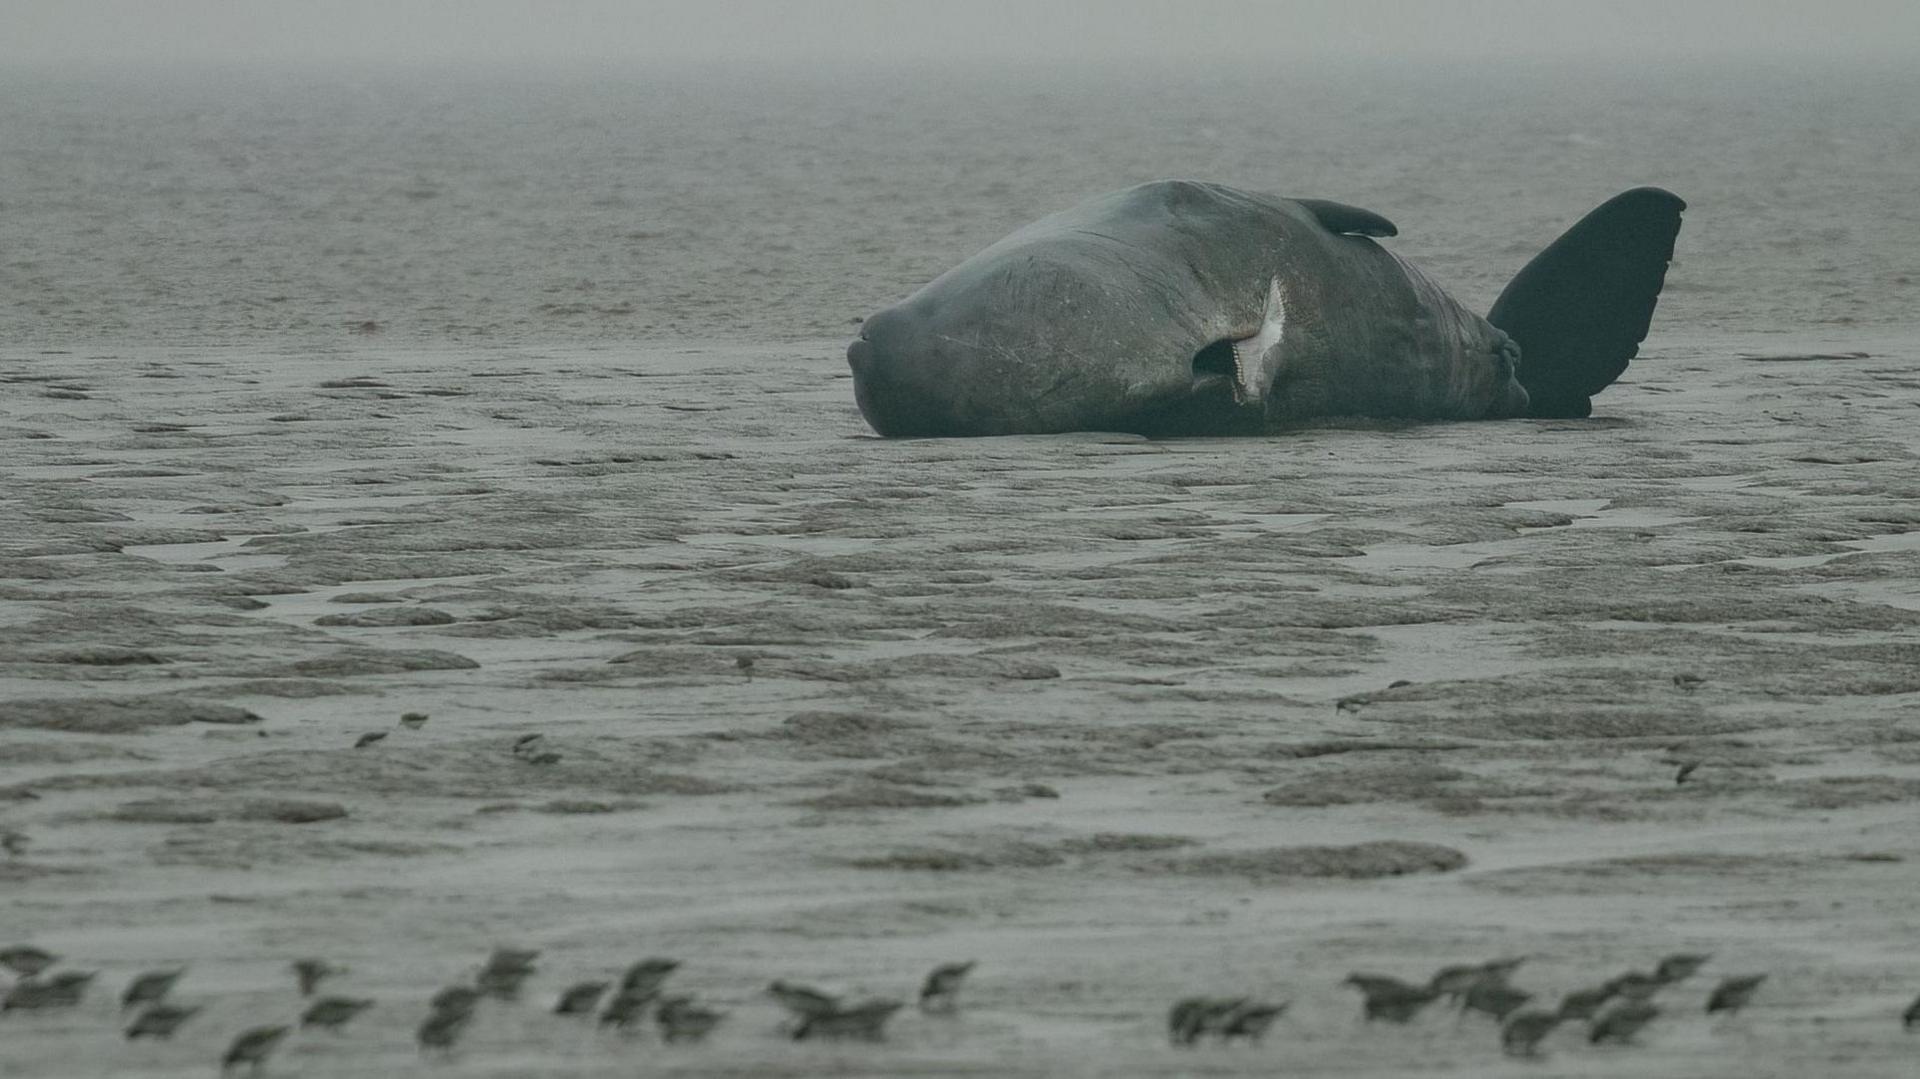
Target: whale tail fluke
x: 1581, y: 308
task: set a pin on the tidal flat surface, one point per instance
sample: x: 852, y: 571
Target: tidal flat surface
x: 1124, y: 721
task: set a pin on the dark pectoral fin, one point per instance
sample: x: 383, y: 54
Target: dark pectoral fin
x: 1581, y: 308
x: 1341, y: 219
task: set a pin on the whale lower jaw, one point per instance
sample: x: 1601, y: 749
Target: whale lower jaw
x: 1252, y: 372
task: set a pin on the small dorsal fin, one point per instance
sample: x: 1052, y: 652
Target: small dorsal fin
x: 1341, y: 219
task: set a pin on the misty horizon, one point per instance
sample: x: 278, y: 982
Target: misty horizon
x: 856, y: 33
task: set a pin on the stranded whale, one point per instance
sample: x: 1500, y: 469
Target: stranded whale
x: 1180, y: 307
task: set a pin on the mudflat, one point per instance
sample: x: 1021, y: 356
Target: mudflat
x: 1124, y: 721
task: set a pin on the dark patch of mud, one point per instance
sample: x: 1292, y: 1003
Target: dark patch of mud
x: 64, y: 751
x: 388, y: 616
x: 1654, y: 597
x: 927, y: 664
x: 287, y: 688
x: 465, y: 770
x: 856, y: 735
x: 206, y: 810
x: 866, y: 794
x: 1124, y: 843
x: 1002, y: 854
x: 1408, y: 781
x: 99, y: 656
x: 1359, y: 861
x: 243, y: 846
x: 1846, y: 792
x: 351, y: 662
x: 1559, y: 705
x: 1685, y: 872
x: 116, y: 715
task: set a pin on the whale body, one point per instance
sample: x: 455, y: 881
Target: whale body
x: 1188, y: 308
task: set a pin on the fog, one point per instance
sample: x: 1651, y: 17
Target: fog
x: 877, y: 32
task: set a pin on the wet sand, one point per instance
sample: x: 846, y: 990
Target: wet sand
x: 1124, y: 721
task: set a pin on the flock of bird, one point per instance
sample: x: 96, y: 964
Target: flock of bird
x: 625, y: 1006
x: 1615, y: 1011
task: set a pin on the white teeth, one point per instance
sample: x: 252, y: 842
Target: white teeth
x: 1240, y: 370
x: 1250, y: 380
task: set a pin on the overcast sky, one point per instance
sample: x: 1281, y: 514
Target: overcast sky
x: 850, y: 31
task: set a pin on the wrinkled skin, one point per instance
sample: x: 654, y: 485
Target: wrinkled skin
x: 1116, y: 315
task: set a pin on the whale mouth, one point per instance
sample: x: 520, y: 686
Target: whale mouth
x: 1252, y: 371
x: 1228, y: 363
x: 1216, y: 367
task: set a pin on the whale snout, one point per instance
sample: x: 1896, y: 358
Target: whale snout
x: 890, y: 379
x: 860, y: 356
x: 865, y: 358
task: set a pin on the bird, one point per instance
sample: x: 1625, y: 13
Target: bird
x: 1250, y: 1021
x: 333, y: 1013
x: 549, y: 757
x: 1910, y: 1018
x: 525, y: 742
x: 1522, y: 1035
x: 1618, y: 1026
x: 1194, y: 1017
x: 14, y: 842
x: 865, y: 1021
x: 506, y: 969
x: 1454, y: 981
x: 1635, y: 985
x: 1503, y: 968
x: 648, y: 973
x: 503, y: 983
x: 745, y: 664
x: 150, y: 988
x: 1732, y: 994
x: 628, y: 1007
x: 1679, y: 967
x: 441, y: 1030
x: 1183, y: 1020
x: 1368, y: 983
x: 579, y: 999
x: 61, y: 991
x: 160, y: 1021
x: 681, y: 1020
x: 1686, y: 770
x: 252, y: 1048
x: 1390, y: 998
x: 804, y: 1001
x: 27, y: 960
x: 368, y: 739
x: 1585, y: 1003
x: 311, y: 972
x: 455, y: 1000
x: 1689, y: 682
x: 1494, y: 998
x: 413, y: 721
x: 940, y: 993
